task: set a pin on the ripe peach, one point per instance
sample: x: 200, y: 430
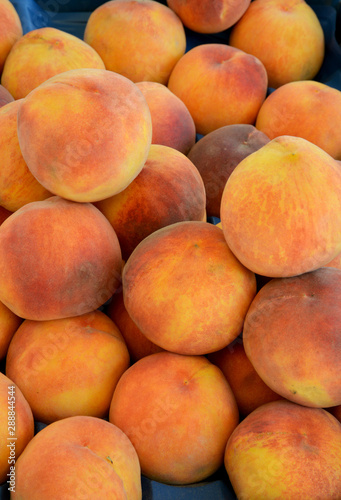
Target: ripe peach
x: 336, y: 262
x: 285, y: 450
x: 85, y: 133
x: 9, y: 323
x: 185, y: 289
x: 172, y: 123
x: 5, y: 96
x: 179, y: 426
x: 248, y: 388
x: 220, y: 85
x: 58, y: 259
x: 217, y: 154
x: 16, y: 428
x: 169, y: 189
x: 291, y: 336
x: 17, y: 184
x: 297, y: 54
x: 281, y: 208
x: 42, y: 53
x: 138, y: 345
x: 67, y: 366
x: 79, y: 457
x: 149, y: 38
x: 207, y: 16
x: 305, y: 109
x: 10, y: 29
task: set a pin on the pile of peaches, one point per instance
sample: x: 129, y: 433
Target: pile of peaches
x: 146, y: 339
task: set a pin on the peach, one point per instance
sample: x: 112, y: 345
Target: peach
x: 248, y: 388
x: 179, y: 426
x: 281, y: 208
x: 336, y: 411
x: 10, y: 29
x: 285, y: 450
x: 217, y: 154
x: 207, y: 16
x: 149, y: 38
x: 5, y: 96
x: 42, y: 53
x: 172, y: 123
x: 58, y: 259
x: 85, y: 133
x: 16, y: 428
x: 4, y: 214
x: 138, y: 345
x: 185, y: 290
x: 220, y: 85
x: 297, y: 54
x: 69, y: 366
x: 305, y: 109
x: 291, y: 336
x: 17, y: 184
x: 336, y: 262
x: 9, y: 323
x: 79, y: 457
x: 169, y: 189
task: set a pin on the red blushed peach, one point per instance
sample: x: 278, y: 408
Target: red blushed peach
x: 209, y: 16
x: 291, y: 336
x: 169, y: 189
x: 17, y: 184
x: 58, y: 259
x: 220, y: 85
x: 179, y: 426
x: 5, y: 96
x: 138, y: 345
x: 10, y: 29
x: 68, y: 366
x: 217, y: 154
x: 306, y: 109
x: 9, y: 323
x: 285, y: 450
x: 42, y: 53
x: 281, y: 208
x: 248, y: 388
x: 297, y: 54
x: 185, y: 290
x: 16, y: 428
x: 149, y: 38
x: 79, y: 457
x: 85, y: 133
x: 172, y: 123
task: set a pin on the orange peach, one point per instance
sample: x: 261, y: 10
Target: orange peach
x: 178, y: 411
x: 138, y: 345
x: 9, y: 323
x: 42, y: 53
x: 172, y: 123
x: 185, y: 290
x: 207, y: 16
x: 281, y: 208
x: 296, y: 54
x: 248, y: 388
x: 169, y: 189
x: 58, y: 259
x: 85, y: 133
x: 336, y: 262
x: 149, y: 38
x: 79, y: 457
x: 5, y: 96
x: 291, y: 336
x: 17, y: 184
x: 217, y: 154
x: 220, y: 85
x: 305, y: 109
x: 16, y: 428
x: 10, y: 29
x: 285, y: 450
x: 67, y: 366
